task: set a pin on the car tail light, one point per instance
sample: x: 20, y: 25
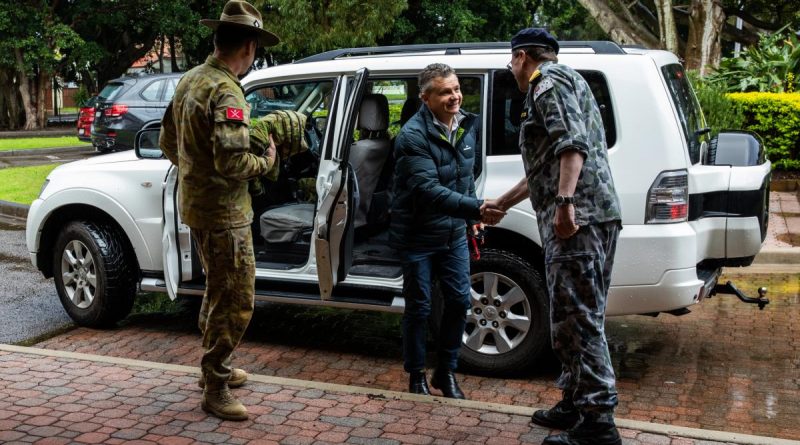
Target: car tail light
x: 86, y: 116
x: 668, y: 198
x: 116, y: 110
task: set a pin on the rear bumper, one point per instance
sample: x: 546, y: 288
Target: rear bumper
x: 676, y: 289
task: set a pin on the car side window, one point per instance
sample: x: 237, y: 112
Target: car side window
x: 151, y: 92
x: 508, y: 101
x: 169, y: 90
x: 311, y: 98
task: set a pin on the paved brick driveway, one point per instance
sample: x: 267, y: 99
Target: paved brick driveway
x: 726, y: 366
x: 61, y: 400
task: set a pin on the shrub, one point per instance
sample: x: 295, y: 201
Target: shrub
x: 772, y: 65
x: 81, y: 96
x: 776, y: 117
x: 721, y: 112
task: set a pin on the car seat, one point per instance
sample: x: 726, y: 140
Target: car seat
x: 287, y: 224
x: 369, y: 154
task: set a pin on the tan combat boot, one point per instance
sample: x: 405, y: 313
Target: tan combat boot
x: 237, y: 379
x: 221, y: 403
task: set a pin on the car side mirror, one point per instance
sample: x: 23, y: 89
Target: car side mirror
x: 736, y: 148
x: 146, y: 144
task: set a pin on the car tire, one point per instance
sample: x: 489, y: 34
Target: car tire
x: 523, y: 320
x: 95, y: 274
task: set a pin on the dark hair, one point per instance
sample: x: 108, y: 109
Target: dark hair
x: 540, y: 53
x: 229, y: 38
x: 431, y: 72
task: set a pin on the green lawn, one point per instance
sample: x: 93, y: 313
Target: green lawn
x: 22, y: 184
x: 43, y: 142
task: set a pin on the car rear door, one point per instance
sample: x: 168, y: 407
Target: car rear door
x: 333, y: 225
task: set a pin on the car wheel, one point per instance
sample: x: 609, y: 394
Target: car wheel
x: 508, y: 326
x: 95, y: 274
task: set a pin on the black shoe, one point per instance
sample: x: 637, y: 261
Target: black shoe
x: 563, y: 416
x: 587, y: 433
x: 445, y: 381
x: 418, y: 383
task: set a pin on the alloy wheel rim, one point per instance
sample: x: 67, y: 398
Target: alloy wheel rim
x: 500, y: 316
x: 78, y: 274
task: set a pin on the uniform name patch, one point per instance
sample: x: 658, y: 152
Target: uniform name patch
x: 542, y: 87
x: 234, y: 114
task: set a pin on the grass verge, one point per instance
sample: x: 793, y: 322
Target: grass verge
x: 42, y: 142
x: 22, y: 184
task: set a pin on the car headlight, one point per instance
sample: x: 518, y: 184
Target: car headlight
x: 44, y: 186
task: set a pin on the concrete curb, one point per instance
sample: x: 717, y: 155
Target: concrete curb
x: 71, y: 131
x: 778, y: 255
x: 45, y: 151
x: 14, y: 210
x: 645, y: 427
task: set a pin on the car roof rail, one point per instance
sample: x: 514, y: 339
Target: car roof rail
x: 598, y: 46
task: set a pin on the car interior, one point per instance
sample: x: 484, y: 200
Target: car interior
x: 284, y: 213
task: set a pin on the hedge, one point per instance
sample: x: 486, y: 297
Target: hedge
x: 776, y: 117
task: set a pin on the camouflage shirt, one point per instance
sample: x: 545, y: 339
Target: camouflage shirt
x: 287, y: 129
x: 561, y: 114
x: 205, y: 133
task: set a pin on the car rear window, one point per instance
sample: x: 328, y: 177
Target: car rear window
x: 111, y: 90
x: 690, y: 115
x: 507, y: 103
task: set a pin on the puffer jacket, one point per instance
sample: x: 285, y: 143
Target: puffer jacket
x: 434, y: 188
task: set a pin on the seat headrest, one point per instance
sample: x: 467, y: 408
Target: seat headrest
x: 374, y: 113
x: 410, y: 107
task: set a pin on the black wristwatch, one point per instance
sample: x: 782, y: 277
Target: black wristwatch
x: 562, y: 200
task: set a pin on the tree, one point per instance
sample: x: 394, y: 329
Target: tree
x: 697, y: 31
x: 311, y: 26
x: 437, y: 21
x: 36, y: 45
x: 566, y: 19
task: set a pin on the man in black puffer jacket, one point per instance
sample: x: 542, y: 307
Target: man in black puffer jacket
x: 434, y: 203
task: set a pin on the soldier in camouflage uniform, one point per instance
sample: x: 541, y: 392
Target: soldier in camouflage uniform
x: 568, y: 180
x: 205, y: 133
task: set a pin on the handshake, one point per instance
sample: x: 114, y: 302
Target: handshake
x: 492, y: 212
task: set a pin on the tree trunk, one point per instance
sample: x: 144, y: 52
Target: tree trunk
x: 25, y: 92
x: 173, y: 58
x: 703, y: 45
x: 621, y: 30
x: 162, y: 42
x: 5, y: 100
x: 44, y: 81
x: 668, y: 33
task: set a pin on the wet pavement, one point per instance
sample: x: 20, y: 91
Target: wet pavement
x: 726, y: 366
x: 48, y: 397
x: 30, y: 306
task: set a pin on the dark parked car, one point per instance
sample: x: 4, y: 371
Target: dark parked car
x: 85, y: 119
x: 125, y: 104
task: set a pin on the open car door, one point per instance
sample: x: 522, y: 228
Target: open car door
x: 176, y: 240
x: 333, y: 226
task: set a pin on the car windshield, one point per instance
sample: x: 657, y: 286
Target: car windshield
x: 691, y: 116
x: 110, y: 91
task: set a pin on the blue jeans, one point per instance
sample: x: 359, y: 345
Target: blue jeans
x: 451, y: 267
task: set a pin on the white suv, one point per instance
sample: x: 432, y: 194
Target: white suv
x: 107, y: 227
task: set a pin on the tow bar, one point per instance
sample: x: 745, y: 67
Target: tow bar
x: 729, y: 288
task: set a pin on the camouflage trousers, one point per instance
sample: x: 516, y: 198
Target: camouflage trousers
x: 228, y: 260
x: 578, y: 273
